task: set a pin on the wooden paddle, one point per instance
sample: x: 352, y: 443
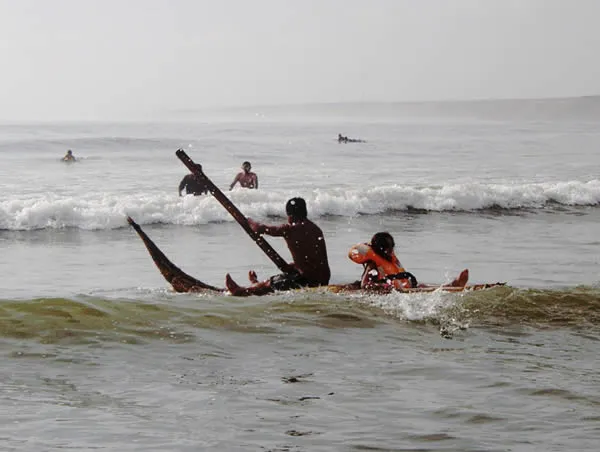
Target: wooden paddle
x: 196, y: 169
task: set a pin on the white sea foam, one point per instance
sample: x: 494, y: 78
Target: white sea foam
x: 109, y: 210
x: 414, y: 306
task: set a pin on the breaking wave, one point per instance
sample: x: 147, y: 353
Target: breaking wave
x: 108, y: 210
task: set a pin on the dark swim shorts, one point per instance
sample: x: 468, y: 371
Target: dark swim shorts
x: 288, y: 281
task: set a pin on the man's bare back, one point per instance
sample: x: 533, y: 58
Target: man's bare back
x: 306, y: 243
x: 307, y: 246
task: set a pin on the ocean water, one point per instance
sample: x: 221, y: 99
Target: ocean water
x: 99, y: 353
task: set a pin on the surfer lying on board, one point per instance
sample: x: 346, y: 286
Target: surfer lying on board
x: 383, y: 270
x: 343, y: 139
x: 306, y: 244
x: 192, y: 185
x: 246, y: 178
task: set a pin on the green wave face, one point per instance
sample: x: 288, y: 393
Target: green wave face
x: 178, y: 318
x: 181, y: 318
x: 574, y: 307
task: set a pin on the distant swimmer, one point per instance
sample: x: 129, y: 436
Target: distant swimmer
x: 192, y: 185
x: 69, y: 157
x: 246, y: 178
x: 343, y: 139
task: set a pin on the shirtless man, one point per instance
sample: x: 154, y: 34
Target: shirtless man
x: 246, y: 178
x: 306, y: 244
x: 192, y: 185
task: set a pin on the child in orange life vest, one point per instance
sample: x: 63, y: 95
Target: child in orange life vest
x: 380, y: 262
x: 383, y: 270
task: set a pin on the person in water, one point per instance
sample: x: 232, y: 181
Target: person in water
x: 192, y: 185
x: 382, y: 270
x: 69, y: 157
x: 343, y: 139
x: 306, y: 244
x: 246, y: 178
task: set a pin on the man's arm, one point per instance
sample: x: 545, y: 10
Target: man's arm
x: 235, y: 181
x: 182, y: 184
x: 255, y: 181
x: 275, y: 231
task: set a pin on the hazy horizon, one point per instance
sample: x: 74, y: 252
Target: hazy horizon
x: 69, y: 59
x: 416, y: 102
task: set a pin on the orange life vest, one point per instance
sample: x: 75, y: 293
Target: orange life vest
x: 363, y: 253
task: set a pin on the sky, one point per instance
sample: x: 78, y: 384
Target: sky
x: 126, y: 59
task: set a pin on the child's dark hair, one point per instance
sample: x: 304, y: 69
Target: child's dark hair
x: 383, y: 243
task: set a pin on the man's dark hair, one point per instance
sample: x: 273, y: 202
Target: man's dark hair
x: 296, y: 208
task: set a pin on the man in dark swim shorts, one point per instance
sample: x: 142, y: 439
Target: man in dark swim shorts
x: 288, y: 281
x: 306, y: 244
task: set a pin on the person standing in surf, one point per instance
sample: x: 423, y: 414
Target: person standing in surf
x: 192, y: 185
x: 306, y: 243
x: 246, y: 178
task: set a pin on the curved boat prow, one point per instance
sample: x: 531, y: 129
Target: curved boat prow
x: 181, y: 281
